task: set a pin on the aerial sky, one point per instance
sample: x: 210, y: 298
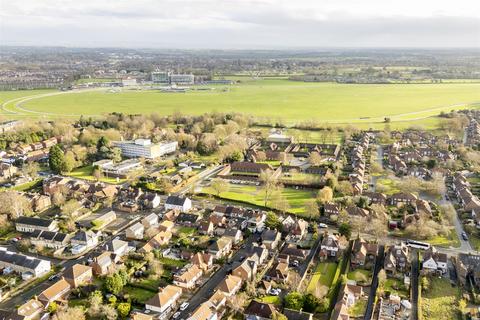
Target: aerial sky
x: 241, y: 24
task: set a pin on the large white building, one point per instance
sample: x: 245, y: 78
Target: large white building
x: 161, y: 77
x: 182, y: 79
x: 144, y: 148
x: 23, y: 264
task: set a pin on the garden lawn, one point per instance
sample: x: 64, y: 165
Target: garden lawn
x: 358, y: 309
x: 276, y: 300
x: 185, y: 231
x: 322, y: 278
x: 172, y: 262
x: 396, y: 286
x: 142, y: 295
x: 360, y: 275
x: 446, y: 241
x: 440, y: 302
x: 85, y: 173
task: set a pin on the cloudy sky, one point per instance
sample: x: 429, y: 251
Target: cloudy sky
x: 241, y: 23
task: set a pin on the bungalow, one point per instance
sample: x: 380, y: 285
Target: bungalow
x: 434, y: 261
x: 278, y: 272
x: 230, y: 285
x: 164, y: 300
x: 103, y: 220
x: 187, y: 219
x: 259, y: 311
x: 402, y: 198
x: 30, y: 224
x: 30, y: 310
x: 78, y: 275
x: 221, y: 247
x: 187, y: 277
x: 135, y: 231
x: 55, y: 292
x: 181, y: 204
x: 270, y: 238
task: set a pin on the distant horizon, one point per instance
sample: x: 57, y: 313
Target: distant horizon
x: 230, y: 24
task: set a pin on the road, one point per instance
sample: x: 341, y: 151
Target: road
x: 373, y: 288
x: 414, y: 285
x: 22, y: 297
x: 206, y: 291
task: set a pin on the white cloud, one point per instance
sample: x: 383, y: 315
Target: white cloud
x: 241, y: 23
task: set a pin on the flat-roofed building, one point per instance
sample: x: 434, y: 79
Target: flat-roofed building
x: 144, y: 148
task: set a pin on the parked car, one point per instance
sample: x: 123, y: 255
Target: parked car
x: 184, y: 306
x: 322, y: 225
x: 275, y: 291
x: 176, y: 315
x: 464, y: 236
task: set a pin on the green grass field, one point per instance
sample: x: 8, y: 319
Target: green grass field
x: 272, y: 100
x: 253, y: 195
x: 441, y: 300
x: 85, y: 173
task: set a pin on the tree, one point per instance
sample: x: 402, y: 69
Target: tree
x: 52, y: 307
x: 272, y: 221
x: 325, y: 195
x: 345, y: 188
x: 315, y: 159
x: 377, y: 228
x: 56, y: 159
x: 69, y: 208
x: 109, y: 312
x: 311, y: 208
x: 219, y: 185
x: 462, y: 306
x: 69, y: 162
x: 261, y: 156
x: 345, y: 230
x: 30, y: 169
x: 294, y: 300
x: 58, y: 199
x: 269, y: 180
x: 69, y: 313
x: 124, y: 309
x: 425, y: 284
x: 95, y: 304
x: 14, y: 204
x: 114, y: 283
x: 310, y: 303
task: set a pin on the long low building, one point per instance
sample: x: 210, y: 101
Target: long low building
x: 144, y: 148
x: 23, y: 264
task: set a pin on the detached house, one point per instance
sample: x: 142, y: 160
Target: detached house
x: 329, y: 246
x: 259, y: 311
x: 363, y: 254
x: 181, y: 204
x: 331, y: 208
x: 246, y: 270
x: 230, y: 285
x: 164, y: 300
x: 278, y: 272
x: 434, y: 261
x: 270, y: 238
x: 203, y: 260
x: 403, y: 198
x: 221, y: 247
x: 150, y: 221
x: 55, y: 292
x: 188, y: 276
x: 397, y: 259
x: 135, y: 231
x: 103, y: 264
x: 78, y: 275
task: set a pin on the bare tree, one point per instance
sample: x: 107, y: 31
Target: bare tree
x: 14, y: 204
x: 314, y: 159
x: 325, y: 195
x: 270, y: 180
x: 219, y: 185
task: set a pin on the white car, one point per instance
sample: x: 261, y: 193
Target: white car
x: 322, y: 225
x: 176, y: 315
x: 184, y: 306
x: 275, y: 292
